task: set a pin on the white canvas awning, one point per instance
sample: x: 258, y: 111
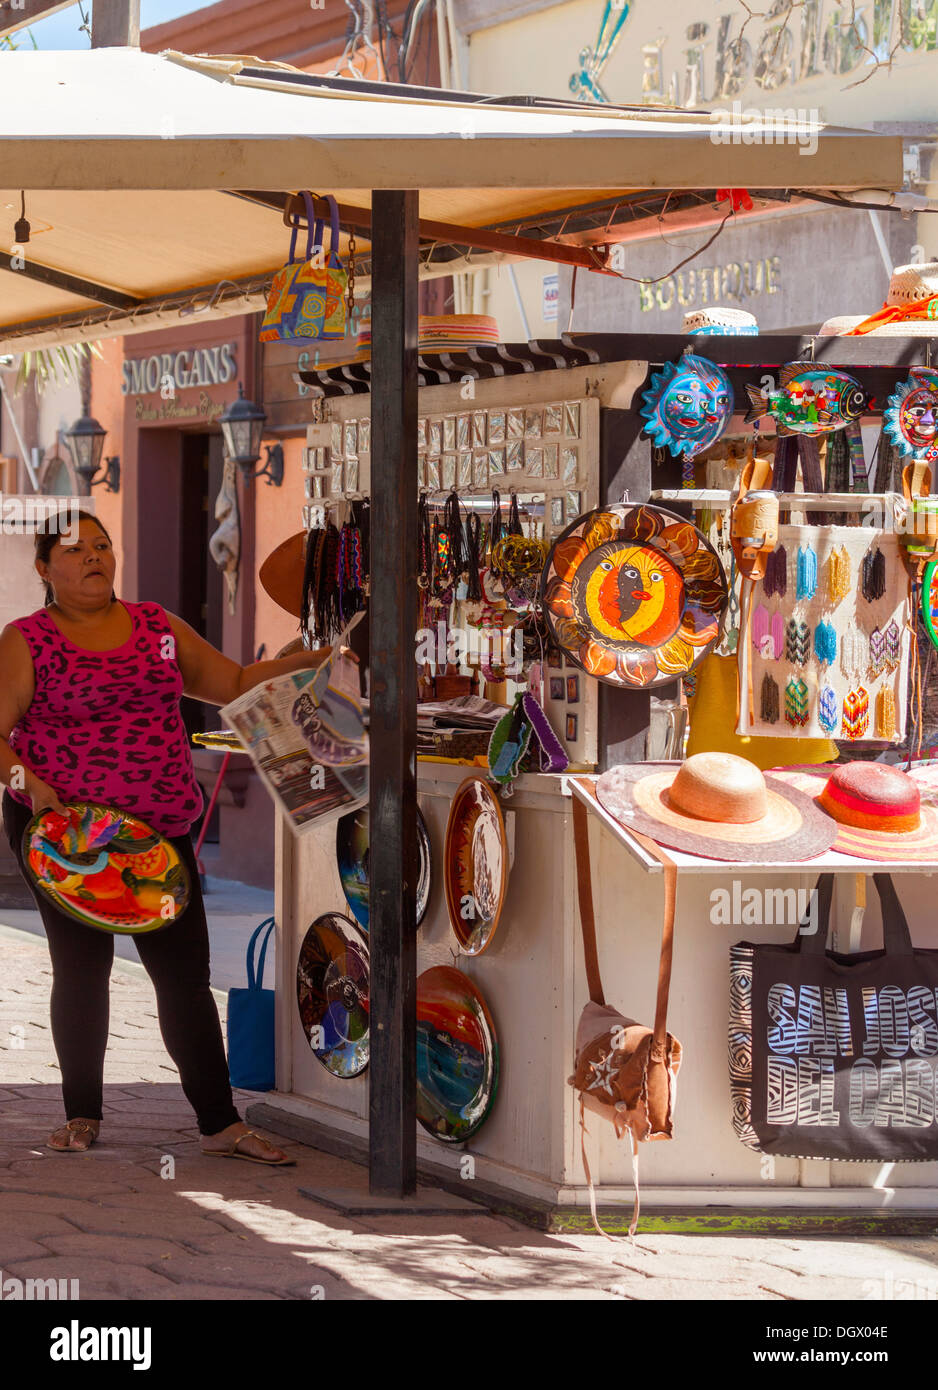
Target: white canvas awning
x: 122, y: 155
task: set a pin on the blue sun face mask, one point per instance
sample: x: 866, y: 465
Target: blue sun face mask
x: 688, y: 405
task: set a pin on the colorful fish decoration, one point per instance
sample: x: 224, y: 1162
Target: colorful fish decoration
x: 687, y: 406
x: 910, y: 419
x: 810, y: 400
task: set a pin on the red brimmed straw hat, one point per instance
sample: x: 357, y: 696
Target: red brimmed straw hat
x: 882, y: 813
x: 719, y: 806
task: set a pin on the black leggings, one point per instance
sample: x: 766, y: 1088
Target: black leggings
x: 176, y: 958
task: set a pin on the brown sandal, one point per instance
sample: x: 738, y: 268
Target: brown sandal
x: 91, y: 1127
x: 234, y: 1152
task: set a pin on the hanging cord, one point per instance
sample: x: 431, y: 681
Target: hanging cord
x: 424, y: 553
x: 473, y: 555
x: 452, y: 520
x: 311, y: 565
x: 514, y: 518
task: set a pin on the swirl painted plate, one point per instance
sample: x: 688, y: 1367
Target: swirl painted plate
x: 106, y: 868
x: 634, y: 595
x: 475, y: 865
x: 332, y: 994
x: 930, y: 601
x: 351, y: 852
x: 457, y: 1055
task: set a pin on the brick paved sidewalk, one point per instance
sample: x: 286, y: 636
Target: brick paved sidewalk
x: 213, y: 1228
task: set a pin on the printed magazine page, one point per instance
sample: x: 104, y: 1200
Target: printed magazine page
x: 305, y: 735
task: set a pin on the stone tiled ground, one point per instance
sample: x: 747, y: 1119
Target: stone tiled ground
x: 145, y: 1216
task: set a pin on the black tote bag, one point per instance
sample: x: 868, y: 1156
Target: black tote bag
x: 835, y: 1056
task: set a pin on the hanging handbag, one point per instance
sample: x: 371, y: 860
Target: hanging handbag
x: 833, y: 1055
x: 250, y: 1024
x: 624, y: 1071
x: 307, y: 297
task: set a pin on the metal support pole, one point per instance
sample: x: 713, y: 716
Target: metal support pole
x: 392, y: 1139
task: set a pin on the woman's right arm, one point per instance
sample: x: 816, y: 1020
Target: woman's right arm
x: 17, y: 686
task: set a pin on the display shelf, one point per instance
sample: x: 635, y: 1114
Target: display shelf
x: 829, y: 863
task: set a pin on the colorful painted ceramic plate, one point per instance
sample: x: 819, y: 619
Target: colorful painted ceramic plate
x: 332, y: 994
x: 930, y: 601
x: 351, y: 852
x: 106, y: 868
x: 475, y: 865
x: 634, y: 595
x: 457, y: 1055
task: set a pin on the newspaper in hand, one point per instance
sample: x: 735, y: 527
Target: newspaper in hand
x: 305, y: 735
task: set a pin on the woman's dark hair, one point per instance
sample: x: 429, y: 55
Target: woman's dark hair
x: 52, y: 529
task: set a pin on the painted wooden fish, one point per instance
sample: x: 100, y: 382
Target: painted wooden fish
x: 810, y: 400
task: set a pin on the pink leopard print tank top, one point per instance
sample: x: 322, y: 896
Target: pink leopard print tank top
x: 106, y: 726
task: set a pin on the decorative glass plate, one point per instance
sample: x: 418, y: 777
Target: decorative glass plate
x: 457, y: 1055
x: 351, y: 852
x: 332, y: 994
x: 106, y: 868
x: 475, y: 865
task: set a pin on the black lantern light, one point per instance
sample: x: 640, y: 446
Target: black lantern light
x: 86, y: 444
x: 242, y: 425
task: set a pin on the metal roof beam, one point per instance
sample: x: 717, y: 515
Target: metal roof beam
x: 61, y: 280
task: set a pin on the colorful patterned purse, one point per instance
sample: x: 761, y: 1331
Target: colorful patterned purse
x: 307, y: 298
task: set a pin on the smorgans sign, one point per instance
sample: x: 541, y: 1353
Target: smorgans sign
x: 166, y: 373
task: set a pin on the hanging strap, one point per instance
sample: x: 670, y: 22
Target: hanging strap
x: 588, y: 923
x: 896, y: 938
x: 333, y: 260
x: 258, y: 982
x: 311, y: 225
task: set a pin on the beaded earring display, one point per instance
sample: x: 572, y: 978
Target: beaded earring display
x: 807, y: 572
x: 873, y: 574
x: 854, y: 654
x: 825, y: 643
x: 839, y: 577
x: 827, y: 709
x: 886, y: 714
x: 769, y: 706
x: 796, y: 702
x: 797, y: 639
x: 775, y: 580
x: 856, y: 713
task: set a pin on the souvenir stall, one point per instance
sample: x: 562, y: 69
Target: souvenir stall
x: 823, y: 617
x: 637, y: 598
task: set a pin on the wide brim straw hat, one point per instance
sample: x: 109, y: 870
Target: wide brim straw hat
x: 866, y: 800
x: 281, y: 574
x: 766, y: 820
x: 908, y: 285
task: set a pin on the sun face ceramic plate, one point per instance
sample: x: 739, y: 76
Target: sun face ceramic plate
x: 332, y: 994
x: 457, y: 1055
x: 106, y: 869
x: 634, y: 595
x: 475, y: 865
x: 351, y: 852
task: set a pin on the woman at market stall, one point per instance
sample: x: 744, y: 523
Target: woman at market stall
x: 89, y: 711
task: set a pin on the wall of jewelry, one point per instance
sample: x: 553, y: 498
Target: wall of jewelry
x: 536, y: 436
x: 829, y: 649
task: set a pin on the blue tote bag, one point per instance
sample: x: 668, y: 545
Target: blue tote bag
x: 251, y: 1024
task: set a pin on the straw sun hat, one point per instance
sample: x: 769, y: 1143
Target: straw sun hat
x: 909, y: 286
x: 719, y: 806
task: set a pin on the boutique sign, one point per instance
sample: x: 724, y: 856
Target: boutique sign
x: 166, y: 373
